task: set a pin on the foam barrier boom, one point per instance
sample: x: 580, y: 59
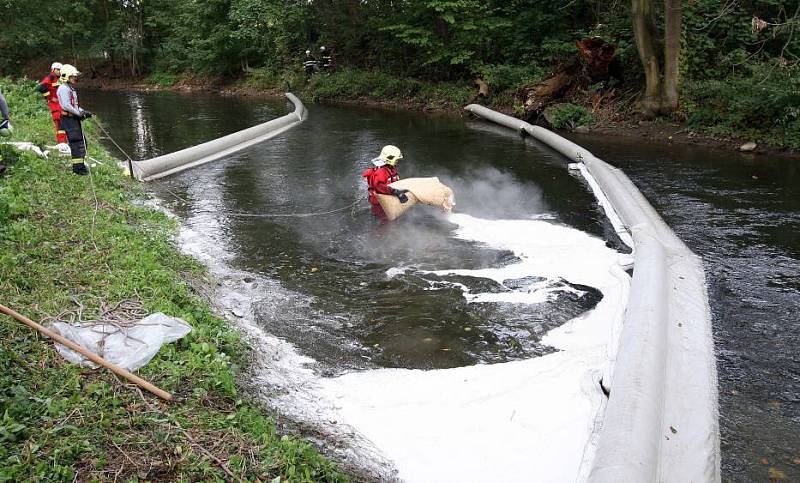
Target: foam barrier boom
x: 661, y: 422
x: 178, y: 161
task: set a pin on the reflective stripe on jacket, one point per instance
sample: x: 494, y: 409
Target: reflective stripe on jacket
x: 49, y: 89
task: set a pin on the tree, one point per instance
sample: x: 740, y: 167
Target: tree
x: 661, y: 67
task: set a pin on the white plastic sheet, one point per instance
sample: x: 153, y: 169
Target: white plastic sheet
x: 26, y: 146
x: 129, y: 348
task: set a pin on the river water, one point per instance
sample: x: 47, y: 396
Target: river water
x: 741, y: 213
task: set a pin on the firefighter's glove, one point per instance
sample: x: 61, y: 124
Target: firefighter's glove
x: 86, y: 114
x: 401, y: 195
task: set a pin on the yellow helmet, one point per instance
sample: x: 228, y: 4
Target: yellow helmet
x: 390, y: 155
x: 67, y: 71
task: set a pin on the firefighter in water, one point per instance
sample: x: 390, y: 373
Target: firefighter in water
x: 48, y: 88
x: 380, y: 176
x: 71, y: 117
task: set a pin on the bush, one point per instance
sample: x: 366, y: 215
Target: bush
x: 504, y: 77
x: 567, y: 116
x: 764, y: 105
x: 350, y: 83
x: 162, y: 79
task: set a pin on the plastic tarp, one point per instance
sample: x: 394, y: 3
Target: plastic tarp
x: 26, y: 146
x: 129, y: 348
x: 428, y: 191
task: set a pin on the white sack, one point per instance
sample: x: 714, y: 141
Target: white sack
x: 429, y: 191
x: 130, y: 348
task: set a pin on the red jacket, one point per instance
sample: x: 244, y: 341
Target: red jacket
x: 378, y: 179
x: 48, y: 88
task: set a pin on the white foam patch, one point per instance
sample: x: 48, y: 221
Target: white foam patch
x: 518, y: 421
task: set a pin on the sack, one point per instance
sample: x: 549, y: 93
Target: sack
x: 428, y: 191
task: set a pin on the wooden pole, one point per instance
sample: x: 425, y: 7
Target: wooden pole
x: 88, y: 354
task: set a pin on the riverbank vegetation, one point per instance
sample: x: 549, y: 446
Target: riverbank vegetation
x: 728, y: 68
x: 80, y: 246
x: 721, y: 68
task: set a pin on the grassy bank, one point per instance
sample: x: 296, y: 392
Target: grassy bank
x: 68, y: 240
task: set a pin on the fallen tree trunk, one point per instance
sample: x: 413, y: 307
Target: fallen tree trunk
x: 595, y: 62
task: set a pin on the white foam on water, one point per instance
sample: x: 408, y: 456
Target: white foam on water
x: 530, y: 420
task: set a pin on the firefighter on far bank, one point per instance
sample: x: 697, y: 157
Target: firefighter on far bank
x: 380, y: 176
x: 71, y: 117
x: 325, y: 59
x: 48, y: 88
x: 310, y: 64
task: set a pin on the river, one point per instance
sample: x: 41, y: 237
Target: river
x: 741, y: 213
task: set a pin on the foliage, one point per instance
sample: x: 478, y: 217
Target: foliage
x: 764, y: 105
x: 162, y: 79
x: 504, y: 76
x: 58, y: 421
x: 428, y: 50
x: 567, y: 116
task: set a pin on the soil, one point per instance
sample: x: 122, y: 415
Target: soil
x: 670, y: 132
x: 615, y: 119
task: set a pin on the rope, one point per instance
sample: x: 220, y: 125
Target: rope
x: 130, y: 160
x: 111, y: 139
x: 232, y: 213
x: 94, y: 193
x: 290, y: 215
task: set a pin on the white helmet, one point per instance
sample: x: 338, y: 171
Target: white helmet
x: 322, y: 48
x: 390, y: 155
x: 308, y: 52
x: 56, y: 65
x: 68, y: 71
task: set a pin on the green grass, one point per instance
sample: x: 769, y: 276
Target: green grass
x: 162, y: 79
x: 59, y: 421
x: 747, y: 107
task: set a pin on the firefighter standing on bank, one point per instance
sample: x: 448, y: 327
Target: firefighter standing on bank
x: 326, y: 63
x: 48, y: 87
x: 71, y: 117
x: 380, y: 176
x: 310, y: 64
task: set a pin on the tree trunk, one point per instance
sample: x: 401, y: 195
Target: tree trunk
x: 672, y: 52
x: 645, y: 32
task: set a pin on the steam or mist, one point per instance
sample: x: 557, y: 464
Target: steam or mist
x: 493, y: 194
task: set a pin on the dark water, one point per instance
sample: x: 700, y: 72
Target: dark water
x: 741, y: 213
x: 348, y: 313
